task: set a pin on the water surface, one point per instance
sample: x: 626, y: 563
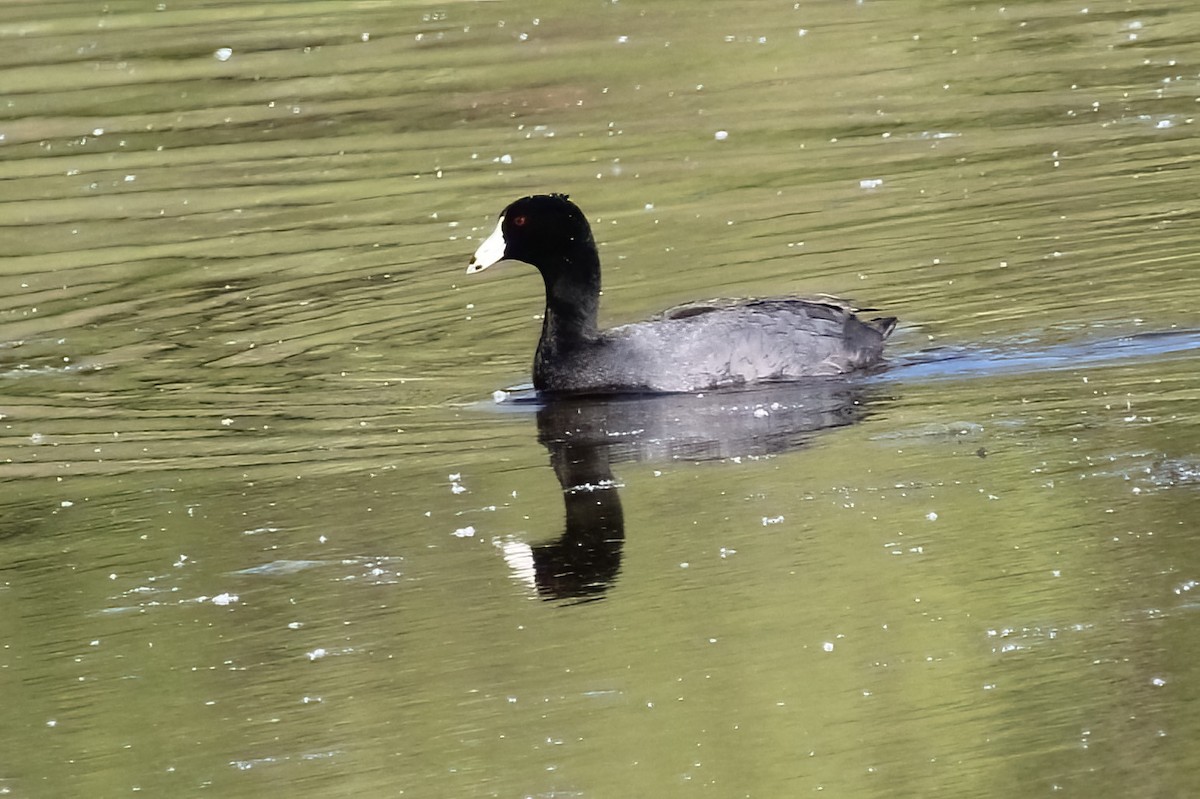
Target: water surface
x: 263, y: 526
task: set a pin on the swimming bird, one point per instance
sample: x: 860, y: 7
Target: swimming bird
x: 694, y: 347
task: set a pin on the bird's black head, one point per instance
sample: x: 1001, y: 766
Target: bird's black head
x: 545, y: 230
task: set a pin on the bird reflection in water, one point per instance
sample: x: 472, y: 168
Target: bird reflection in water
x: 586, y: 436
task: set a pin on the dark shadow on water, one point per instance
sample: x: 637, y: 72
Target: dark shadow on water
x: 585, y: 437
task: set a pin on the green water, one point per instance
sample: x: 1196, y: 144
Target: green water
x: 263, y: 527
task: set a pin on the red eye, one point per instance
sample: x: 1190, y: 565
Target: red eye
x: 520, y: 221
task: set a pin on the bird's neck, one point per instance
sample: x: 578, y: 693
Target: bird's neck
x: 572, y: 301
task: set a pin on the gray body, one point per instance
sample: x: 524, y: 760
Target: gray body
x: 714, y: 345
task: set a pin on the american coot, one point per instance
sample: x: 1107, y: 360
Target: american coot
x: 694, y: 347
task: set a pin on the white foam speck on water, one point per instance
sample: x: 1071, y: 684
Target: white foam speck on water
x: 278, y: 567
x: 519, y: 557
